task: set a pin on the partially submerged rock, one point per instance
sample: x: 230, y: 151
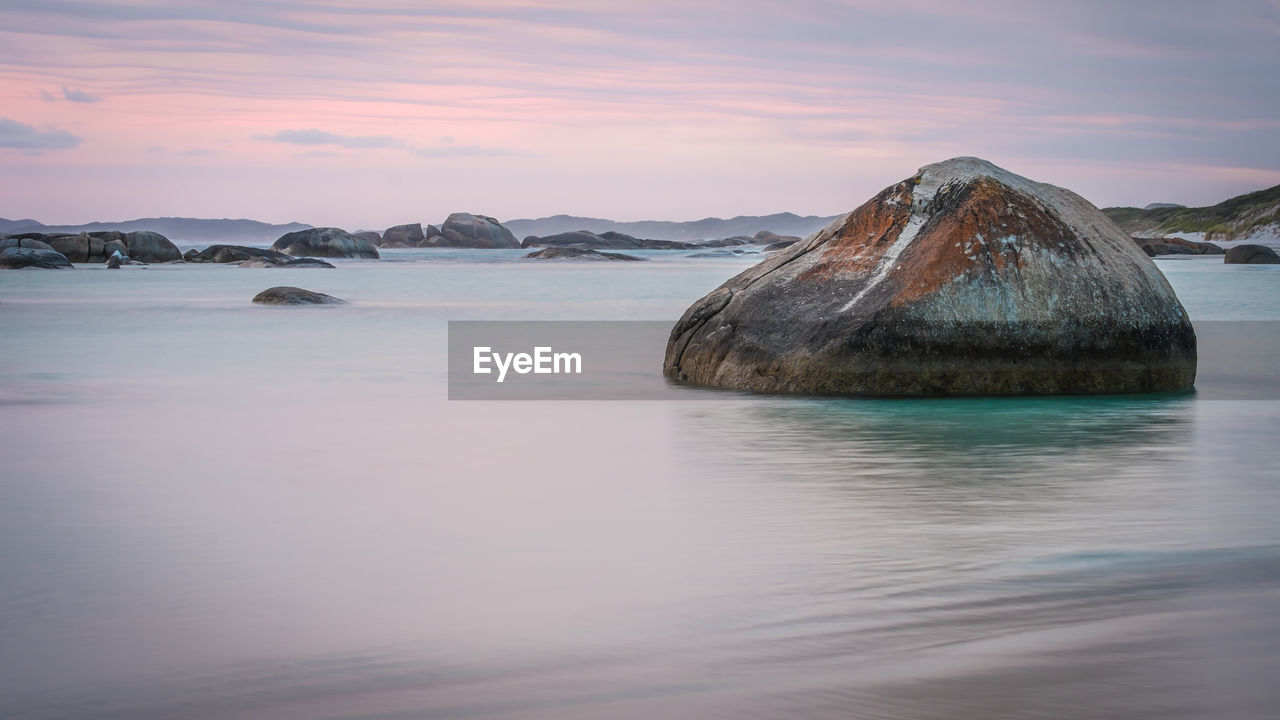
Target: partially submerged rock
x: 325, y: 242
x: 18, y: 256
x: 1252, y: 255
x: 289, y: 295
x: 268, y: 262
x: 608, y: 240
x: 464, y: 230
x: 962, y: 280
x: 234, y: 254
x: 576, y: 253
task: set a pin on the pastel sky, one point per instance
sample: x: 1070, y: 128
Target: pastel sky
x: 369, y: 114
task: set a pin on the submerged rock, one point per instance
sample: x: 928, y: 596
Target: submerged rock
x: 1154, y: 246
x: 609, y: 239
x: 576, y: 253
x: 18, y: 257
x: 325, y: 242
x: 964, y: 279
x: 1252, y: 255
x: 234, y: 254
x: 289, y: 295
x: 268, y: 262
x: 465, y: 230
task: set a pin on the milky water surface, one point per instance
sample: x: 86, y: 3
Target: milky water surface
x: 210, y: 509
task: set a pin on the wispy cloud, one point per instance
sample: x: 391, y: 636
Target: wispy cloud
x: 321, y: 137
x: 14, y: 134
x: 77, y: 95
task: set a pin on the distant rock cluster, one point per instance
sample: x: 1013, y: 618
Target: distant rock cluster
x: 95, y: 247
x: 460, y: 230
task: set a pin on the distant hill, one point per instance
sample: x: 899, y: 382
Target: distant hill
x: 1256, y: 214
x: 9, y: 226
x: 179, y: 230
x: 705, y: 229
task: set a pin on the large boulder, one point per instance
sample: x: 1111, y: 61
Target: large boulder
x: 465, y: 230
x: 289, y: 295
x: 325, y: 242
x: 374, y: 238
x: 408, y: 236
x: 964, y: 279
x: 1252, y: 255
x: 234, y: 254
x: 17, y: 257
x: 74, y: 247
x: 149, y: 247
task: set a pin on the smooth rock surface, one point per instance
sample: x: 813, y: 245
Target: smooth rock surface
x: 289, y: 295
x: 1252, y: 255
x: 965, y: 279
x: 325, y: 242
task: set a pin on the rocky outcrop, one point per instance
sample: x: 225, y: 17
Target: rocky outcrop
x: 1252, y: 255
x: 964, y: 279
x: 289, y: 295
x: 269, y: 262
x: 374, y: 238
x: 141, y: 245
x: 325, y: 242
x: 576, y: 253
x: 233, y: 254
x: 606, y: 240
x: 464, y: 230
x: 403, y: 236
x: 1154, y: 246
x: 19, y: 253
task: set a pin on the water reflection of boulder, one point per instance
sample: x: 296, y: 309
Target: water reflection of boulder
x: 931, y: 445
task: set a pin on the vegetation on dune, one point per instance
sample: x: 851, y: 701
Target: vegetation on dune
x: 1228, y: 220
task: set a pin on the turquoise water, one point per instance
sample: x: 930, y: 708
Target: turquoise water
x: 215, y: 510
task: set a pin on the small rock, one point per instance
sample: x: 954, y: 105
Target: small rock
x: 289, y: 295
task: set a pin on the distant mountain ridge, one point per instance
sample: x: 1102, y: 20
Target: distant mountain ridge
x: 690, y: 231
x: 179, y: 230
x: 1254, y: 215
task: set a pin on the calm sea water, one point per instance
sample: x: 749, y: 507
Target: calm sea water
x: 215, y: 510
